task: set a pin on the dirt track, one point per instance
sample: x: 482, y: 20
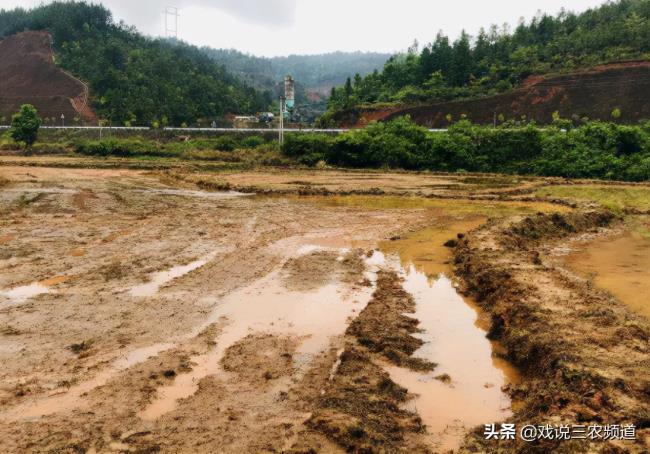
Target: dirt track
x: 168, y: 318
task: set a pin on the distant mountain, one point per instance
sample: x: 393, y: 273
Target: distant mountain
x: 317, y: 73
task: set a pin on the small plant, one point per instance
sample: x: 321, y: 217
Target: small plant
x: 115, y: 270
x: 616, y: 113
x: 81, y: 347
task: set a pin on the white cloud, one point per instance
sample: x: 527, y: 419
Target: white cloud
x: 281, y: 27
x: 273, y: 13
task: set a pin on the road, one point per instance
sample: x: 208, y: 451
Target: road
x: 257, y: 130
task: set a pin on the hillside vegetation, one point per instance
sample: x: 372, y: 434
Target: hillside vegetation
x: 498, y: 59
x: 135, y: 80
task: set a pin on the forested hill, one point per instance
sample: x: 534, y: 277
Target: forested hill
x: 134, y: 79
x: 317, y: 73
x: 498, y: 59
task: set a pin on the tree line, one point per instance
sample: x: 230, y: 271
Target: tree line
x: 591, y: 150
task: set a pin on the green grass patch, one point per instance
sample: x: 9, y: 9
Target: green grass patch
x: 615, y: 198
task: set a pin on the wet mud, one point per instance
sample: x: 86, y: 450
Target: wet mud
x: 150, y: 314
x: 581, y: 352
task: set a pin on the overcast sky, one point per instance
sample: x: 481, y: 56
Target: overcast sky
x: 282, y: 27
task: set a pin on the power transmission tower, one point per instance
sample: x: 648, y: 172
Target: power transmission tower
x: 171, y: 26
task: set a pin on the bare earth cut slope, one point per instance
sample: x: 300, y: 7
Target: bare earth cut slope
x: 593, y: 93
x: 28, y: 75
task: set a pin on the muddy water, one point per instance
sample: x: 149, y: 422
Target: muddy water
x: 459, y: 207
x: 424, y: 249
x: 267, y: 306
x: 161, y: 278
x: 620, y: 265
x: 19, y: 295
x: 63, y: 400
x: 453, y: 339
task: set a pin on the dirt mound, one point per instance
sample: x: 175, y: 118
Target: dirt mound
x: 382, y: 327
x: 28, y: 75
x: 595, y: 371
x: 319, y: 268
x: 592, y: 93
x: 360, y: 408
x: 260, y: 358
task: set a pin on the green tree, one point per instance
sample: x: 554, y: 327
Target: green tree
x: 442, y: 54
x: 358, y: 80
x: 348, y: 91
x: 25, y: 124
x: 462, y: 62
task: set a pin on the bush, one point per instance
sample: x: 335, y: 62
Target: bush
x: 308, y: 149
x: 226, y: 143
x: 593, y: 150
x: 253, y: 141
x: 126, y: 148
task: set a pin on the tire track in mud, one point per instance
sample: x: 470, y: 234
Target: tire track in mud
x: 360, y: 407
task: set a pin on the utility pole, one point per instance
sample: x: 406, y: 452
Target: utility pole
x: 63, y: 120
x: 281, y: 137
x: 171, y: 27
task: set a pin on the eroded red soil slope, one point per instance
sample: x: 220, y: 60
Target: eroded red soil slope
x: 28, y: 75
x: 592, y: 93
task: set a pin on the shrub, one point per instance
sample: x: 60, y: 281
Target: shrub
x: 126, y: 148
x: 226, y: 143
x: 308, y: 149
x: 253, y: 141
x: 593, y: 150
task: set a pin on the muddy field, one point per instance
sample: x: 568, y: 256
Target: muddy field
x: 178, y: 310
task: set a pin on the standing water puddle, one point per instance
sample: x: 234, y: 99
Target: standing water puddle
x: 71, y: 398
x: 267, y: 306
x: 160, y: 278
x: 19, y: 295
x: 453, y: 340
x: 23, y: 293
x: 620, y: 265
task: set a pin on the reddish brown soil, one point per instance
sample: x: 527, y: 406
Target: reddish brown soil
x: 592, y: 93
x: 28, y: 75
x: 583, y: 354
